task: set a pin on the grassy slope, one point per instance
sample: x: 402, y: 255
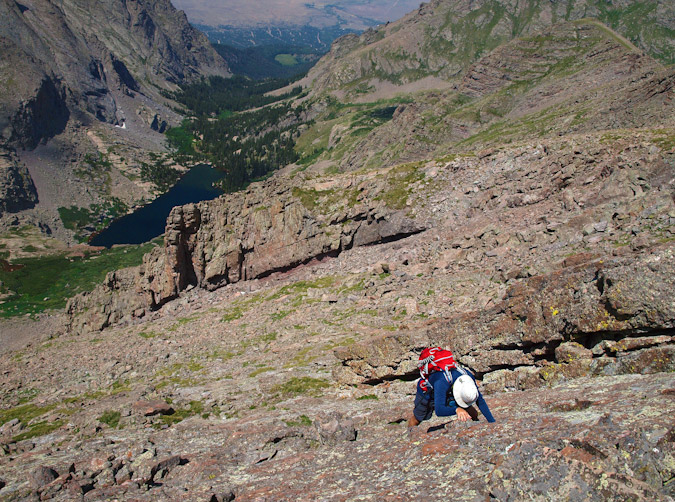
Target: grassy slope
x: 541, y: 90
x: 46, y: 282
x: 444, y: 46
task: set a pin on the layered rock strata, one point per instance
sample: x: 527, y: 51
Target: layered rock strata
x: 443, y: 37
x: 602, y: 317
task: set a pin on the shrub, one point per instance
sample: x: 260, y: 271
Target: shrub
x: 110, y: 418
x: 297, y: 386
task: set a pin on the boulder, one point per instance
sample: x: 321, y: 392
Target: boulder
x: 544, y: 319
x: 223, y: 496
x: 41, y: 476
x: 571, y: 351
x: 151, y: 408
x: 333, y: 428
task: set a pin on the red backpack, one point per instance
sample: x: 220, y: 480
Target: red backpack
x: 434, y: 359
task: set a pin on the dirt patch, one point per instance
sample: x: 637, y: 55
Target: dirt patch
x: 17, y: 334
x: 388, y: 90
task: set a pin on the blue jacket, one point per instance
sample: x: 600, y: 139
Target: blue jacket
x: 443, y: 401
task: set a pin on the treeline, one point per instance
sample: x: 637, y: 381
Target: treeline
x: 159, y: 172
x: 245, y: 145
x: 217, y: 95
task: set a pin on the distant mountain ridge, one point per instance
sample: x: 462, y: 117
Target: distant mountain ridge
x: 319, y: 39
x: 243, y: 24
x: 443, y: 37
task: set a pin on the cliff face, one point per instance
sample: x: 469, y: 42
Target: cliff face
x: 68, y: 57
x: 17, y: 191
x: 241, y: 237
x: 87, y: 77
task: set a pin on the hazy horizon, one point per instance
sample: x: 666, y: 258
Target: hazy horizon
x: 350, y: 14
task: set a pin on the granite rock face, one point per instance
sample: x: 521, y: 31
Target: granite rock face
x: 84, y: 80
x: 17, y: 191
x: 65, y: 58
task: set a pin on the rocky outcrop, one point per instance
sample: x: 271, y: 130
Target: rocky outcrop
x: 154, y: 120
x: 41, y: 116
x: 270, y: 228
x: 73, y: 74
x: 17, y: 191
x: 572, y: 77
x: 118, y: 297
x: 604, y: 317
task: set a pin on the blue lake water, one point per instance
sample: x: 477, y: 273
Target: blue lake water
x: 149, y: 221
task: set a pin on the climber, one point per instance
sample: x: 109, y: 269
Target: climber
x: 446, y: 388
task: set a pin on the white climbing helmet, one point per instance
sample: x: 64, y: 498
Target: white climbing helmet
x: 465, y: 391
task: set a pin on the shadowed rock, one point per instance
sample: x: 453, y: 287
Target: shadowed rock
x: 151, y: 408
x: 334, y: 427
x: 41, y: 476
x: 17, y: 190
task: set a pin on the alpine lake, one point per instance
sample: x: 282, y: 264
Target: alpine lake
x: 149, y: 221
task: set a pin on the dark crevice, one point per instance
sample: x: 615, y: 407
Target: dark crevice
x: 504, y: 367
x: 600, y: 282
x: 279, y: 439
x: 215, y: 282
x: 287, y: 268
x: 393, y: 238
x: 189, y: 276
x: 42, y: 117
x: 511, y: 346
x: 408, y: 377
x: 156, y: 306
x: 589, y: 340
x: 548, y: 357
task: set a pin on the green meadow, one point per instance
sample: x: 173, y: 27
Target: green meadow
x: 34, y: 285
